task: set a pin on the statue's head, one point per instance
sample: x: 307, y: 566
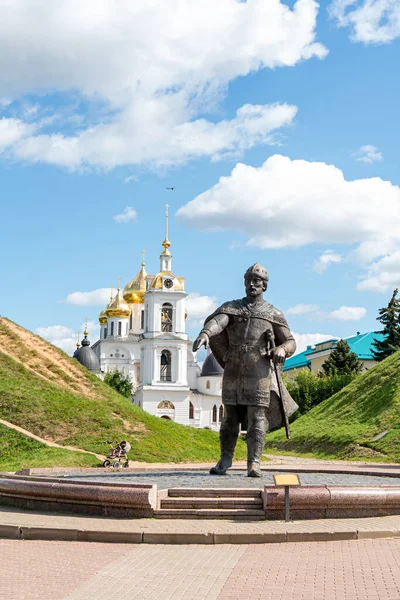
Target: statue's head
x: 256, y: 280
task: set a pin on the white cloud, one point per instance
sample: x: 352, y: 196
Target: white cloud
x: 131, y: 178
x: 368, y: 154
x: 199, y: 307
x: 383, y: 275
x: 13, y: 131
x: 370, y: 21
x: 326, y: 259
x: 347, y: 313
x: 310, y: 339
x: 65, y: 338
x: 99, y: 297
x: 161, y: 137
x: 128, y: 215
x: 149, y: 71
x: 302, y: 309
x: 295, y: 203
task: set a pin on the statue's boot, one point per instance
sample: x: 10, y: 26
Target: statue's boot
x: 224, y: 463
x: 254, y: 469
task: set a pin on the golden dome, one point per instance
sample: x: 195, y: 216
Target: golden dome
x: 157, y: 283
x: 135, y: 290
x: 103, y: 314
x: 118, y: 307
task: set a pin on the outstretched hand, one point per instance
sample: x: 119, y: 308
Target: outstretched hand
x: 201, y: 340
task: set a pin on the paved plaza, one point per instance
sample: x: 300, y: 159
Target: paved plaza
x: 234, y: 479
x: 50, y: 556
x: 54, y: 570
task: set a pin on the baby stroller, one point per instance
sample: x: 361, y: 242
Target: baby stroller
x: 117, y: 455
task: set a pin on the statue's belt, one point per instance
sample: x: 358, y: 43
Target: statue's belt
x: 241, y: 348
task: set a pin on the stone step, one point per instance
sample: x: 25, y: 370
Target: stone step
x: 223, y: 503
x: 214, y: 493
x: 192, y: 513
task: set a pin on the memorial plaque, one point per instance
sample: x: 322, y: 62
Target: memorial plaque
x: 286, y: 479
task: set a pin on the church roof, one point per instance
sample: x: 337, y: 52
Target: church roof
x: 118, y: 307
x: 135, y: 290
x: 86, y: 356
x: 103, y: 314
x: 211, y: 367
x: 157, y: 283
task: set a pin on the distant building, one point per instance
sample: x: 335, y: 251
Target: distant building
x: 314, y: 356
x: 143, y: 334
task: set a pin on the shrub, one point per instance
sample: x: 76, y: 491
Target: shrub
x: 308, y: 389
x: 120, y: 382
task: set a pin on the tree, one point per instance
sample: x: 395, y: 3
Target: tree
x: 389, y: 316
x: 342, y: 361
x: 120, y: 382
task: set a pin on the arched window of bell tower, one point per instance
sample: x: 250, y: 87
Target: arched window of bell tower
x: 165, y: 366
x: 166, y: 317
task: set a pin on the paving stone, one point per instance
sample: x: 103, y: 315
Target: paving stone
x: 338, y: 570
x: 236, y: 479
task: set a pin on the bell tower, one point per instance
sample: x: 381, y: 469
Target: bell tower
x: 163, y: 361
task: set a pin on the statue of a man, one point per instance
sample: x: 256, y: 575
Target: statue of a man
x: 239, y: 334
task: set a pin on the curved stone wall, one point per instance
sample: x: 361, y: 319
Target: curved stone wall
x: 332, y: 501
x: 94, y: 498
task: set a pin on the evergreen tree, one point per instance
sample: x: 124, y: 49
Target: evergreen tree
x: 389, y: 316
x: 120, y: 382
x: 342, y: 361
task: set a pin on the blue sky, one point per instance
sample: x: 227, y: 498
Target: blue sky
x: 295, y: 107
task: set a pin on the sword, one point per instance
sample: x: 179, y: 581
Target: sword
x: 270, y: 346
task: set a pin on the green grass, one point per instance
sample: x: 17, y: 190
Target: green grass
x: 18, y: 452
x: 343, y: 426
x: 70, y: 418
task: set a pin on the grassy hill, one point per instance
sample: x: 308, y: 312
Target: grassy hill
x: 18, y: 451
x: 51, y: 395
x: 343, y: 426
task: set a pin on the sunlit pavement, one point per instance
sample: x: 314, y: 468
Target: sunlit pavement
x: 349, y: 570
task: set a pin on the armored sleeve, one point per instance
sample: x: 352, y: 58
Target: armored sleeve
x: 284, y: 338
x: 215, y: 325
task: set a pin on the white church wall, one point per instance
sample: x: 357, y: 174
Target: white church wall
x: 154, y: 301
x: 204, y: 405
x: 150, y: 400
x: 214, y: 382
x: 193, y: 372
x: 136, y: 320
x: 117, y: 324
x: 153, y: 348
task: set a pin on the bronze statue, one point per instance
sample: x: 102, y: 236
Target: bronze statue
x: 241, y: 334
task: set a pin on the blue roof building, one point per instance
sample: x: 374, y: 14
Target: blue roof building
x: 314, y: 356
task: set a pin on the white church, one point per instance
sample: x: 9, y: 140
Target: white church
x: 142, y: 334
